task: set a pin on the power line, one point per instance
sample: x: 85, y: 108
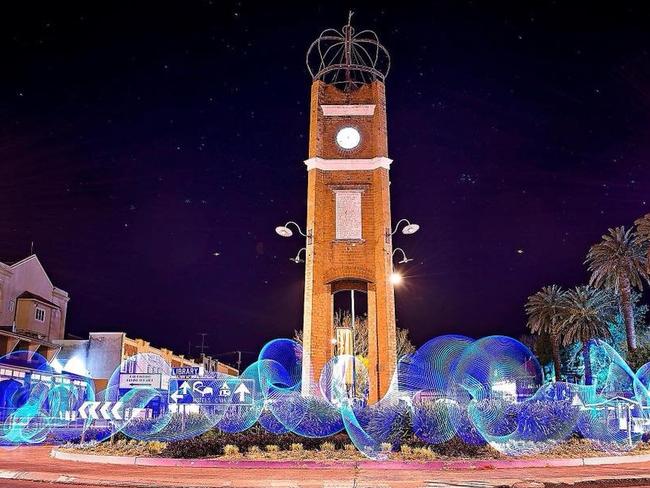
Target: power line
x: 238, y: 353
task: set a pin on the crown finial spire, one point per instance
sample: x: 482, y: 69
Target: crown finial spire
x: 348, y: 58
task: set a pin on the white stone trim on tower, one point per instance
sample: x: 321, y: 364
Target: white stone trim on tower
x: 343, y: 110
x: 348, y: 164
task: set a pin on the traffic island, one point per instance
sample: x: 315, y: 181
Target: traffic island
x: 257, y: 462
x: 43, y: 464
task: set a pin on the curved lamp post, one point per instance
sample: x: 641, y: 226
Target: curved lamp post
x: 298, y: 259
x: 408, y: 229
x: 285, y: 231
x: 404, y: 258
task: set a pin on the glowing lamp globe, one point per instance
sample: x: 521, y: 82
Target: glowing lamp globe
x: 283, y: 231
x: 410, y: 229
x: 395, y: 278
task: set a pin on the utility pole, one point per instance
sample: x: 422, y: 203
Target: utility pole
x: 238, y: 353
x: 203, y: 345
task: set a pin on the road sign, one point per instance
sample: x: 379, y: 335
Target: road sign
x: 242, y: 391
x: 202, y: 391
x: 186, y: 372
x: 143, y: 380
x: 101, y: 410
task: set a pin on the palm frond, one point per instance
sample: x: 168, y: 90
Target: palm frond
x: 643, y: 228
x: 544, y: 310
x: 618, y: 258
x: 587, y: 314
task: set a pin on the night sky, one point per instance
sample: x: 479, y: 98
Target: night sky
x: 139, y: 138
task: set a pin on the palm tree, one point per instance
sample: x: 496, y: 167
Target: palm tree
x: 545, y: 314
x: 643, y: 236
x: 587, y: 312
x: 618, y: 262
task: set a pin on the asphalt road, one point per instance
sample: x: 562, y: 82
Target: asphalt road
x: 460, y: 484
x: 31, y: 484
x: 36, y: 463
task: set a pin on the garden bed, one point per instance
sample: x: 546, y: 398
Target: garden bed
x: 289, y: 447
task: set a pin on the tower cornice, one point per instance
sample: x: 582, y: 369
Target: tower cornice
x: 348, y: 164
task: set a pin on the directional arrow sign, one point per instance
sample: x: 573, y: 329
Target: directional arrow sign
x: 139, y: 380
x: 115, y: 411
x: 89, y: 410
x: 242, y: 391
x: 205, y: 392
x: 83, y: 410
x: 185, y: 386
x: 104, y: 410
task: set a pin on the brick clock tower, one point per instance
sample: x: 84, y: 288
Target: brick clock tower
x: 349, y: 245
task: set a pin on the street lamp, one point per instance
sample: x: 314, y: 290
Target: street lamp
x: 404, y: 258
x: 285, y: 231
x: 395, y: 278
x: 297, y: 259
x: 408, y: 229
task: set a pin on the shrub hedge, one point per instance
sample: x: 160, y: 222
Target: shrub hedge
x: 212, y: 444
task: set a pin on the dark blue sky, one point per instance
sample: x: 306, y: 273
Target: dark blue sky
x: 138, y: 139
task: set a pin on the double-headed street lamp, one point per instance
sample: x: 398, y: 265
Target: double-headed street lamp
x: 408, y: 229
x: 285, y: 231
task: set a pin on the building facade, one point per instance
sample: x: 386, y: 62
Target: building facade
x: 33, y: 315
x: 32, y: 310
x: 104, y: 352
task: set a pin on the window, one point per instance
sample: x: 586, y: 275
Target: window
x: 40, y: 314
x: 348, y: 214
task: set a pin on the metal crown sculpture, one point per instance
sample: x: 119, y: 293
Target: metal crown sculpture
x: 348, y: 58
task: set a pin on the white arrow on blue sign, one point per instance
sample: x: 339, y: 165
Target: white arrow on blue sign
x: 233, y: 391
x: 106, y: 412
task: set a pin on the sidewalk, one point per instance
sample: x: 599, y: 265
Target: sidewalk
x: 36, y: 464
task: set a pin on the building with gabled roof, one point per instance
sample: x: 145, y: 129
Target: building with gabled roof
x: 32, y: 309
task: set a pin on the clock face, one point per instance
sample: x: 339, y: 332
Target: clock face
x: 348, y: 138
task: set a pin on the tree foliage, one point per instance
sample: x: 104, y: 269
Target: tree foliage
x: 344, y: 319
x: 643, y: 236
x: 618, y: 259
x: 587, y: 313
x: 619, y: 262
x: 545, y: 315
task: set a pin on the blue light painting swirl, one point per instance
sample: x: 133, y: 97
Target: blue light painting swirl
x: 486, y: 391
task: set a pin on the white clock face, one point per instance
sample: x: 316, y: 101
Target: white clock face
x: 348, y: 138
